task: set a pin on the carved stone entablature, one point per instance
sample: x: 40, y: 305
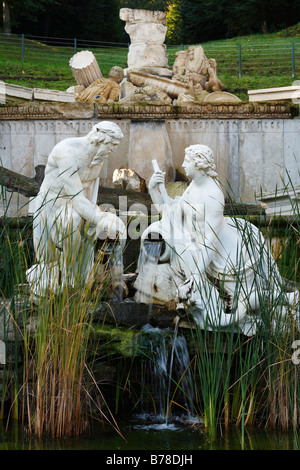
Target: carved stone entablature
x: 47, y: 111
x: 148, y: 111
x: 196, y: 110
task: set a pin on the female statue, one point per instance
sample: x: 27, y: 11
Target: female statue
x: 221, y: 265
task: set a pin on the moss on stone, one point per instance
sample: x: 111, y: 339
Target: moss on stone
x: 117, y: 340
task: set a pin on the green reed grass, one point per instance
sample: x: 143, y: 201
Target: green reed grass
x: 252, y: 380
x: 54, y: 392
x: 246, y: 381
x: 58, y: 400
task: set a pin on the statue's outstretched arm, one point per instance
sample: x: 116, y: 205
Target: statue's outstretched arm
x: 72, y: 188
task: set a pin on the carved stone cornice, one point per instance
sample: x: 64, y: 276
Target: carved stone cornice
x: 47, y: 111
x: 79, y: 110
x: 198, y: 111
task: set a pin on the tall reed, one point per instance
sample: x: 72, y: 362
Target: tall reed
x: 252, y: 380
x: 15, y: 251
x: 52, y: 394
x: 58, y: 401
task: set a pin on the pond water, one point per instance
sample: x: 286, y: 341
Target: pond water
x: 147, y: 435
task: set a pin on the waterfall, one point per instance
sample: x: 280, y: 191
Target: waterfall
x: 116, y: 271
x: 166, y: 365
x: 156, y: 368
x: 147, y: 262
x: 183, y: 373
x: 171, y: 367
x: 167, y: 354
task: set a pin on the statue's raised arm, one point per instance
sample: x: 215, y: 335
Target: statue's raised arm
x: 157, y: 189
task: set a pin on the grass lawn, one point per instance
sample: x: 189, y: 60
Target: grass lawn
x: 265, y: 61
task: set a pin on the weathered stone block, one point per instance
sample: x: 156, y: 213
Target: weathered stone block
x: 43, y: 94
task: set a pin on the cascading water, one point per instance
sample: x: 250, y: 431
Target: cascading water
x: 167, y: 365
x: 181, y: 370
x: 147, y: 262
x: 116, y: 271
x: 171, y: 367
x: 167, y: 357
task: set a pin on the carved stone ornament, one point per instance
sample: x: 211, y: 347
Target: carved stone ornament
x: 87, y: 111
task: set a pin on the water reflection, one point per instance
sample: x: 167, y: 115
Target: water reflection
x: 142, y: 436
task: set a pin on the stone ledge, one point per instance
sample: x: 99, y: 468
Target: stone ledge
x: 198, y: 110
x: 47, y: 111
x: 77, y: 110
x: 284, y: 201
x: 288, y: 93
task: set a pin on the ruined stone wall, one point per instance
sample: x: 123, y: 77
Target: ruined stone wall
x: 253, y: 144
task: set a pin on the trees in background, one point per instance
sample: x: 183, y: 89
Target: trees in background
x: 174, y: 22
x: 15, y: 12
x: 92, y: 19
x: 204, y: 20
x: 189, y: 21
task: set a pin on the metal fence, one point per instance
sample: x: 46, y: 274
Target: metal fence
x: 274, y: 58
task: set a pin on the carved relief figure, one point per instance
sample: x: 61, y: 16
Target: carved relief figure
x: 179, y: 63
x: 67, y: 220
x: 198, y: 71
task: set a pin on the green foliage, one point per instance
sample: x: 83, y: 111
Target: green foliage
x: 260, y: 16
x: 26, y: 10
x: 291, y: 31
x: 201, y: 20
x: 153, y: 5
x: 213, y: 19
x: 96, y: 19
x: 174, y: 22
x: 189, y: 21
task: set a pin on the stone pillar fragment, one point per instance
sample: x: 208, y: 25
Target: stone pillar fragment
x: 147, y: 31
x: 85, y: 68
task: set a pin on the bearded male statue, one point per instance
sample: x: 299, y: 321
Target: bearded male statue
x: 67, y: 219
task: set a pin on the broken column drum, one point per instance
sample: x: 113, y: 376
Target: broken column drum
x: 85, y: 68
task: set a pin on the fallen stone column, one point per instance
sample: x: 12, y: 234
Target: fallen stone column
x: 85, y: 68
x: 172, y: 87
